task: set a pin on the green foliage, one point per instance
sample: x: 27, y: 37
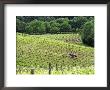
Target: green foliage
x: 58, y: 24
x: 62, y: 23
x: 75, y: 70
x: 41, y: 27
x: 65, y: 26
x: 47, y: 26
x: 31, y: 27
x: 88, y: 33
x: 78, y: 22
x: 20, y: 26
x: 54, y: 27
x: 60, y: 20
x: 35, y: 26
x: 37, y: 50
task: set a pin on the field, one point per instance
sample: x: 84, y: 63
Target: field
x: 49, y: 54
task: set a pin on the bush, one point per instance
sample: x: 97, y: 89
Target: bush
x: 88, y: 33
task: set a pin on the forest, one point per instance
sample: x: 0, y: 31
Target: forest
x: 55, y: 45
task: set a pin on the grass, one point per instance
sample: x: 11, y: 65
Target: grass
x: 39, y: 50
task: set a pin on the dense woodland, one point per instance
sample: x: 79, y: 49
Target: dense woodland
x: 37, y: 25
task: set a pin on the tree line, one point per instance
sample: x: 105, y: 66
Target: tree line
x: 83, y: 25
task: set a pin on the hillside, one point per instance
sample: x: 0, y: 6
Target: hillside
x: 37, y: 51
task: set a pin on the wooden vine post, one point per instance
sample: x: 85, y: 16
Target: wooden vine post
x: 32, y: 70
x: 56, y: 67
x: 49, y: 68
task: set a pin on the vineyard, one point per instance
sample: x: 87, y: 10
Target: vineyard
x: 49, y: 54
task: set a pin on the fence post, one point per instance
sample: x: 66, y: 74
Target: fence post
x: 62, y: 69
x: 56, y: 67
x: 49, y: 68
x: 32, y: 70
x: 20, y: 71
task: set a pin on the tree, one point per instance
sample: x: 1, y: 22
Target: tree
x: 36, y: 27
x: 41, y: 27
x: 31, y: 27
x: 78, y: 22
x: 51, y: 24
x: 88, y: 33
x: 60, y: 20
x: 54, y: 27
x: 26, y: 19
x: 47, y: 26
x: 65, y: 26
x: 20, y: 26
